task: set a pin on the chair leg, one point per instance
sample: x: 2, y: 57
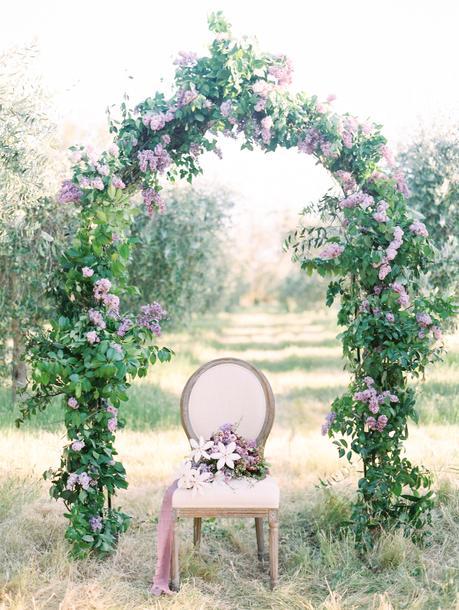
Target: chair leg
x: 197, y: 526
x: 260, y: 538
x: 175, y: 568
x: 273, y: 547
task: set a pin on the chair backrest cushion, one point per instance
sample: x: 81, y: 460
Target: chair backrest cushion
x: 228, y: 390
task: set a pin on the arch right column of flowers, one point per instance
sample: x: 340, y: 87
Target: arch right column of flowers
x: 369, y: 242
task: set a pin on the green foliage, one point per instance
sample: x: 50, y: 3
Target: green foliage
x: 181, y: 256
x: 431, y: 162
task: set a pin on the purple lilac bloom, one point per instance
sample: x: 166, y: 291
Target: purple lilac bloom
x: 329, y: 419
x: 282, y: 72
x: 186, y: 59
x: 95, y: 523
x: 436, y: 330
x: 72, y: 480
x: 112, y: 410
x: 419, y: 229
x: 149, y: 317
x: 96, y: 318
x: 77, y: 445
x: 113, y: 150
x: 390, y: 317
x: 347, y: 181
x: 118, y: 183
x: 423, y: 319
x: 92, y: 337
x: 101, y: 288
x: 87, y: 272
x: 357, y: 199
x: 72, y: 402
x: 84, y: 480
x: 69, y: 193
x: 117, y: 347
x: 331, y: 251
x: 123, y: 328
x: 112, y: 424
x: 152, y: 200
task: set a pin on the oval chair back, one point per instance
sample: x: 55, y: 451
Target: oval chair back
x: 228, y: 390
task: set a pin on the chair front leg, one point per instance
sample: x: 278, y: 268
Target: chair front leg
x: 175, y: 568
x: 197, y: 527
x: 260, y: 538
x: 273, y: 547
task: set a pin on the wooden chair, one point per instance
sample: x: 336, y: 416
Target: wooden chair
x: 229, y: 390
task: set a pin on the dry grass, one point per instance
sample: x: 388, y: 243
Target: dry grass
x: 320, y: 567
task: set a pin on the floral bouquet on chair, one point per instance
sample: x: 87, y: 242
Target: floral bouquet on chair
x: 225, y: 456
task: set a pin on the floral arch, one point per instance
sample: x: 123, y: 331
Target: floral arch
x: 371, y: 245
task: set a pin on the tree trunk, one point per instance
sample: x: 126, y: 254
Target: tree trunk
x: 18, y: 367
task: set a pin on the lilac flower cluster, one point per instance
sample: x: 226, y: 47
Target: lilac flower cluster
x: 92, y: 337
x: 404, y: 299
x: 282, y: 71
x: 390, y: 254
x: 92, y: 183
x: 419, y: 229
x: 380, y: 214
x: 72, y: 402
x: 374, y: 398
x: 158, y: 120
x: 186, y: 96
x: 118, y: 183
x: 153, y: 200
x: 402, y: 186
x: 77, y: 445
x: 69, y: 193
x: 347, y: 181
x: 329, y: 419
x: 186, y: 59
x: 95, y: 523
x: 96, y: 318
x: 87, y: 272
x: 266, y: 126
x: 377, y: 424
x: 123, y: 328
x: 150, y: 316
x: 357, y: 199
x: 314, y: 142
x: 74, y: 479
x: 331, y: 251
x: 101, y: 292
x: 425, y: 322
x: 154, y: 160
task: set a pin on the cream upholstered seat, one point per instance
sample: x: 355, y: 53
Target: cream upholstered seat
x: 229, y: 390
x: 236, y: 494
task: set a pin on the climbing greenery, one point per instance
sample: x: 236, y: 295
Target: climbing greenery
x: 367, y: 241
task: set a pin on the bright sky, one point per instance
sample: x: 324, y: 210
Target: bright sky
x: 393, y: 61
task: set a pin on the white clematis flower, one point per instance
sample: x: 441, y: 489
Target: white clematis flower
x: 187, y: 476
x: 200, y: 481
x: 199, y: 449
x: 225, y: 455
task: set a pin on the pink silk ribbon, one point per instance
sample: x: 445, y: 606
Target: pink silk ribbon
x: 164, y: 545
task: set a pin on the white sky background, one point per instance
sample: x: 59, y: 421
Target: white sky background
x: 393, y: 61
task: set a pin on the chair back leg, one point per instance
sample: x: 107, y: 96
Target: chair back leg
x: 197, y: 527
x: 273, y: 521
x: 260, y: 538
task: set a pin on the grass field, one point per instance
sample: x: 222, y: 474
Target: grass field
x: 319, y: 565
